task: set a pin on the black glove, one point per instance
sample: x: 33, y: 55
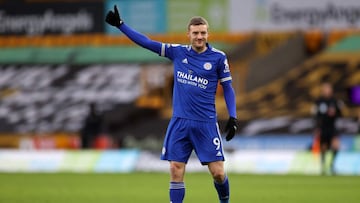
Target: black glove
x: 113, y: 18
x: 231, y: 127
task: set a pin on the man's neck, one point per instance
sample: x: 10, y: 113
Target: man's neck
x: 199, y: 50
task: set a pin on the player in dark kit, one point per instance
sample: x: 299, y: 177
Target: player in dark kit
x: 327, y: 111
x: 198, y: 68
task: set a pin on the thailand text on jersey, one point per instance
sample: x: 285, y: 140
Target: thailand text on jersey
x: 196, y: 76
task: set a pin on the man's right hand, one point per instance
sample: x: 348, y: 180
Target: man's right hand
x: 113, y: 18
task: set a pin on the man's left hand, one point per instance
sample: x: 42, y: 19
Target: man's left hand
x: 231, y: 128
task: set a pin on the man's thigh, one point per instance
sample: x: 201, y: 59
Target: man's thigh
x: 207, y: 142
x: 177, y: 145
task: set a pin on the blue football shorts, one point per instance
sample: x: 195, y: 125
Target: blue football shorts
x: 185, y: 135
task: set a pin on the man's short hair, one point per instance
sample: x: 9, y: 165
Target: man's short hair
x: 198, y: 20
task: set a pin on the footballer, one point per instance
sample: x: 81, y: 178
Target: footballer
x: 327, y: 110
x: 198, y: 68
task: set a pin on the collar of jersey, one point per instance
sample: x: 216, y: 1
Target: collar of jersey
x: 207, y: 45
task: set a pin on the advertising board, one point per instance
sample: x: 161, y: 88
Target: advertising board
x: 29, y: 18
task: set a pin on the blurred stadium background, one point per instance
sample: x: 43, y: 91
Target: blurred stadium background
x: 58, y: 57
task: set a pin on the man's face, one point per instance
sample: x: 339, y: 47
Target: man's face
x: 326, y: 90
x: 198, y: 35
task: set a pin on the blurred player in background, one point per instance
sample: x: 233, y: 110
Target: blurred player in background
x: 327, y: 110
x: 198, y: 68
x: 92, y: 127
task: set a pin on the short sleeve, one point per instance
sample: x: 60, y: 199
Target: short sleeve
x: 224, y: 70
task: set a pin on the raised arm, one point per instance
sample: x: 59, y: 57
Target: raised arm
x: 113, y: 18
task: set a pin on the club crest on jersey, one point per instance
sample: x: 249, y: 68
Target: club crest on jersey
x: 207, y: 66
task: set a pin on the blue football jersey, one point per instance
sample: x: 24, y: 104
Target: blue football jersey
x: 196, y: 77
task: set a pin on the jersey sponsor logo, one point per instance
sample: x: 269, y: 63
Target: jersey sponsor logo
x: 190, y: 79
x: 185, y: 61
x: 323, y: 108
x: 207, y: 66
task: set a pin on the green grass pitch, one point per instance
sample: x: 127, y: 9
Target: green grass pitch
x: 153, y: 188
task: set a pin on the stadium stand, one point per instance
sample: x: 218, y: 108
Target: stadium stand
x: 54, y: 98
x: 293, y: 92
